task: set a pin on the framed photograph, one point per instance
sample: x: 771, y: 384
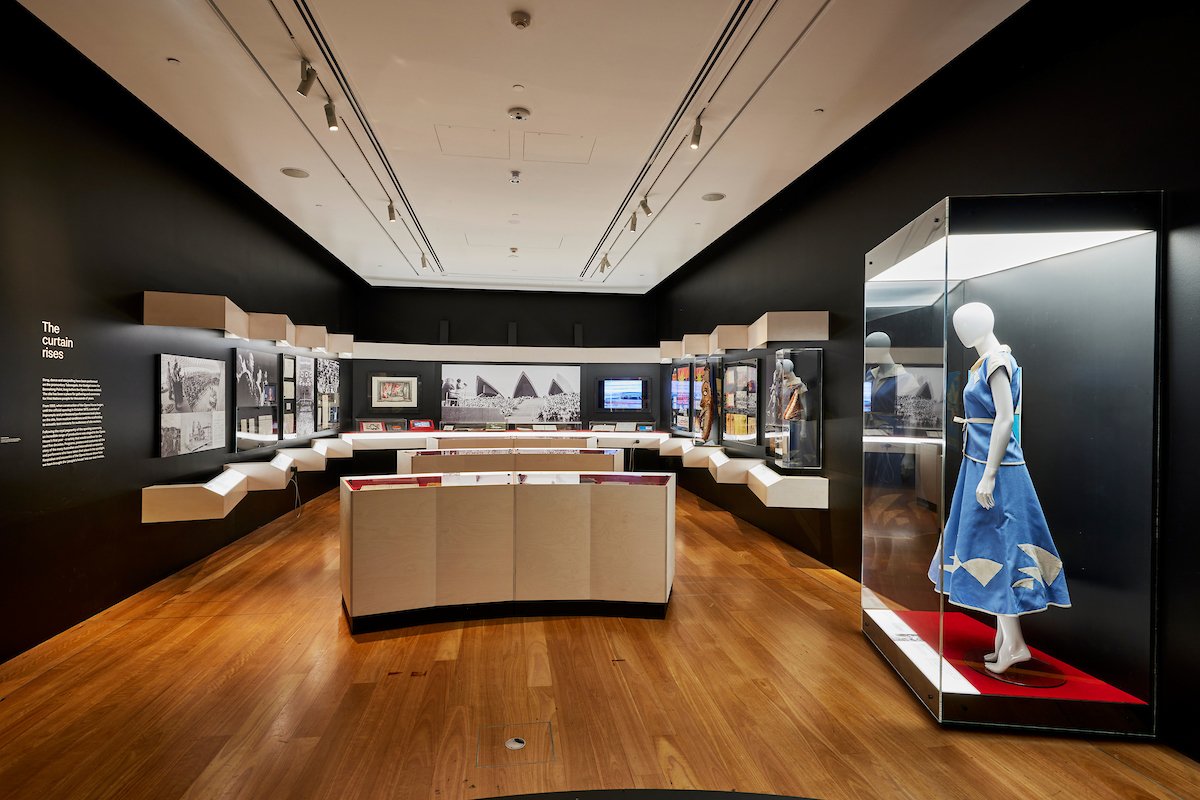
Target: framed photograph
x: 393, y: 391
x: 506, y: 394
x: 191, y: 405
x: 366, y: 426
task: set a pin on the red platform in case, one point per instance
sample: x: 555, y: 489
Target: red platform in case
x: 964, y: 634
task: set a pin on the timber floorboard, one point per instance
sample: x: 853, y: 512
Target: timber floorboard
x: 237, y: 678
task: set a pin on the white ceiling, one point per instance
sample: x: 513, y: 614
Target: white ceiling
x: 422, y: 88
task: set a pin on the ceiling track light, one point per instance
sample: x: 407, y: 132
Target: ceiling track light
x: 331, y: 116
x: 696, y: 134
x: 646, y: 208
x: 308, y: 76
x: 424, y: 263
x: 633, y: 222
x: 605, y: 266
x: 391, y: 211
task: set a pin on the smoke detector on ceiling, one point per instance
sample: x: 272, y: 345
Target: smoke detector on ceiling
x: 514, y: 176
x: 521, y: 20
x: 520, y: 114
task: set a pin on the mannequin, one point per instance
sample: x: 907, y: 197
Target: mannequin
x: 999, y: 556
x: 791, y: 407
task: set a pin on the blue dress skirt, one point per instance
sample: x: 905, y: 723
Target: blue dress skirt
x: 1000, y: 560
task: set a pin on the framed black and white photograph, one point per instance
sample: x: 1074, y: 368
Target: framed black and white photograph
x: 257, y: 376
x: 329, y: 379
x: 508, y: 393
x: 393, y: 391
x: 306, y: 386
x: 191, y: 405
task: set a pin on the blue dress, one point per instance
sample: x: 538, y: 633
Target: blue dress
x: 1000, y: 560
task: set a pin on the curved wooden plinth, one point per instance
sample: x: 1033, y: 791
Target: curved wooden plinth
x: 372, y: 623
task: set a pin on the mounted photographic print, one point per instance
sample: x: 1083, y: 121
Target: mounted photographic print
x: 257, y: 379
x: 306, y: 385
x: 506, y: 393
x: 329, y: 379
x: 366, y: 426
x: 191, y: 405
x: 393, y: 391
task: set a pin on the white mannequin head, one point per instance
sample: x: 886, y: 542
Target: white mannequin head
x: 785, y: 367
x: 878, y: 348
x: 974, y: 324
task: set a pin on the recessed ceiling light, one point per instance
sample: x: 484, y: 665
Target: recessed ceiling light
x: 519, y: 113
x: 818, y: 111
x: 172, y: 60
x: 518, y: 87
x: 294, y: 172
x: 712, y: 197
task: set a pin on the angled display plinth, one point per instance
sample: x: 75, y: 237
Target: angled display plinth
x: 788, y: 491
x: 192, y: 501
x: 265, y: 476
x: 697, y: 456
x: 206, y: 311
x: 730, y: 470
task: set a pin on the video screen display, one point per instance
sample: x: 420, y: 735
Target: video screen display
x: 623, y: 394
x: 681, y: 400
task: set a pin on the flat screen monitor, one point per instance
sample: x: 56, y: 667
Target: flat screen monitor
x: 624, y: 394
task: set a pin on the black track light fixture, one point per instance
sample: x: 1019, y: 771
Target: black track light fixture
x: 391, y: 211
x: 646, y: 208
x: 331, y: 116
x: 308, y: 77
x: 696, y: 131
x: 633, y: 222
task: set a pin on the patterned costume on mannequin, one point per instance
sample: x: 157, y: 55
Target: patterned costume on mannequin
x: 1000, y: 560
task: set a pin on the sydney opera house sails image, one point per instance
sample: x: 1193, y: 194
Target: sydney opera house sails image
x: 509, y: 393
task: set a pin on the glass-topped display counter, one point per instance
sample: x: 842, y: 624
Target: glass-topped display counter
x: 1009, y: 456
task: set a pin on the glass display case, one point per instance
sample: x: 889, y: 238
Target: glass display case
x: 705, y: 400
x: 740, y: 404
x: 794, y: 409
x: 1009, y: 459
x: 681, y: 397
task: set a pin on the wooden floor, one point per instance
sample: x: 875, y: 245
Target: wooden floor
x: 237, y: 678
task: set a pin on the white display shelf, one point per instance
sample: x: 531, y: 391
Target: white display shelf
x: 193, y: 501
x: 730, y: 470
x: 697, y: 455
x: 788, y: 326
x: 307, y: 459
x: 265, y: 476
x: 728, y: 337
x: 675, y: 446
x: 334, y: 448
x: 788, y: 491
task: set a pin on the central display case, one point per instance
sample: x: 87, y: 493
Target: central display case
x: 1010, y: 459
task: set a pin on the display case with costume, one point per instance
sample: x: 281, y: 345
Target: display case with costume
x: 995, y: 332
x: 794, y: 408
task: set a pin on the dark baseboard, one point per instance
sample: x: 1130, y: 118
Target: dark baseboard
x: 371, y: 623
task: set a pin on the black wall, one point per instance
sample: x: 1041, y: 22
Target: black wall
x: 544, y: 319
x: 1066, y: 96
x: 101, y: 200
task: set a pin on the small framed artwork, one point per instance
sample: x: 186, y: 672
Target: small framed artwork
x: 366, y: 426
x: 398, y: 425
x: 421, y: 425
x: 393, y: 391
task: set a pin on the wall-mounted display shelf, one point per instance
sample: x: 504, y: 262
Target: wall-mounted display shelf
x: 730, y: 470
x: 788, y: 491
x: 314, y: 337
x: 695, y: 344
x: 191, y: 501
x: 208, y: 311
x: 728, y: 337
x: 276, y: 328
x: 669, y: 351
x: 788, y: 326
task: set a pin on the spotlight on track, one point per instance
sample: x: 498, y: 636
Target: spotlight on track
x: 424, y: 263
x: 331, y: 116
x: 605, y: 266
x: 308, y: 76
x: 391, y: 211
x: 633, y: 222
x: 696, y: 134
x: 646, y: 209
